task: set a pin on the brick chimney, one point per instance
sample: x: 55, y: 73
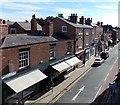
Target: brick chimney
x: 88, y: 21
x: 60, y: 15
x: 33, y: 25
x: 3, y: 28
x: 82, y: 20
x: 101, y: 23
x: 73, y: 18
x: 48, y: 27
x: 91, y: 20
x: 98, y: 23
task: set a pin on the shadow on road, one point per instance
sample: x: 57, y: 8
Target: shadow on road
x: 110, y: 96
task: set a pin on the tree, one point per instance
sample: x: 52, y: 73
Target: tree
x: 40, y: 21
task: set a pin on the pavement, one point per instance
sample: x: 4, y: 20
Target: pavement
x: 55, y: 91
x: 49, y: 96
x: 114, y: 94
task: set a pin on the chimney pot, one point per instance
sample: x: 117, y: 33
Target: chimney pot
x: 73, y: 18
x: 33, y: 25
x: 60, y: 15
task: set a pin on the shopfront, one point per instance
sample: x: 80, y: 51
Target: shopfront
x: 74, y: 62
x: 87, y: 54
x: 80, y: 55
x: 92, y: 50
x: 22, y: 87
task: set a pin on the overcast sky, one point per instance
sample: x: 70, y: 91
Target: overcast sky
x: 100, y: 10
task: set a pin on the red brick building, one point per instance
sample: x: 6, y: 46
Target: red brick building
x: 80, y: 33
x: 3, y: 28
x: 24, y: 27
x: 37, y: 58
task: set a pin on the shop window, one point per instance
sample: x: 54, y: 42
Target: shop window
x: 80, y: 43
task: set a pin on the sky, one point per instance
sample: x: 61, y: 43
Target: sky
x: 105, y: 11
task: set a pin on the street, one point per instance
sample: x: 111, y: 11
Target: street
x: 88, y: 87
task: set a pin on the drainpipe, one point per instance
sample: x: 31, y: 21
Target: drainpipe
x: 83, y: 45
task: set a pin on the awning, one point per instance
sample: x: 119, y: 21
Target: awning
x: 73, y: 61
x: 61, y: 67
x: 78, y: 55
x: 21, y: 83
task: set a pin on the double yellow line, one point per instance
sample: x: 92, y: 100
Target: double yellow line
x: 69, y: 87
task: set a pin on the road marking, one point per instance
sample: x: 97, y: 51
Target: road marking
x: 106, y: 77
x: 80, y: 90
x: 68, y: 88
x: 97, y: 93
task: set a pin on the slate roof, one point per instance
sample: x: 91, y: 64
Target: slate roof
x: 10, y: 22
x: 13, y: 40
x: 94, y: 25
x: 27, y: 26
x: 77, y: 25
x: 114, y: 29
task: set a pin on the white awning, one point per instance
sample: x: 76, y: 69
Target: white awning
x: 61, y: 67
x: 73, y: 61
x: 21, y: 83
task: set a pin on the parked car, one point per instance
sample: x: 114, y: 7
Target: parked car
x: 117, y: 41
x: 104, y: 55
x: 98, y: 61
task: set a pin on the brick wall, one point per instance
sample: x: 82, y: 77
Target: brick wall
x: 57, y: 28
x: 99, y: 32
x: 38, y: 53
x: 19, y: 29
x: 3, y: 28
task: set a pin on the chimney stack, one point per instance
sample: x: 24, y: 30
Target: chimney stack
x: 88, y: 21
x: 91, y: 20
x: 98, y: 23
x: 48, y: 27
x: 73, y: 18
x: 60, y: 15
x: 33, y: 25
x: 82, y: 20
x: 4, y: 28
x: 101, y: 24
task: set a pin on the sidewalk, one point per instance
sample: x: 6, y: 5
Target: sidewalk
x: 50, y: 95
x: 114, y: 98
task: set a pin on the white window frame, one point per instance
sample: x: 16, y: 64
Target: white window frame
x: 81, y: 32
x: 11, y: 29
x: 53, y: 48
x: 22, y: 59
x: 63, y: 28
x: 69, y: 47
x: 80, y: 45
x: 86, y: 32
x: 93, y: 31
x: 87, y: 41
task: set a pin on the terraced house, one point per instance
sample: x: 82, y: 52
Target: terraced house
x: 78, y: 31
x: 31, y: 61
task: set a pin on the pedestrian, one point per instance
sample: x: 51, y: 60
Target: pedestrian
x: 21, y: 102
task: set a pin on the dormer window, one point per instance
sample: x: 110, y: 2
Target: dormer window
x: 12, y: 30
x: 64, y: 28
